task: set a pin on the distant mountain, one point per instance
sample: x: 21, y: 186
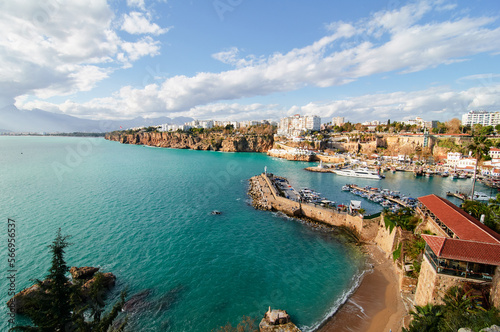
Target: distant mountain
x: 15, y: 120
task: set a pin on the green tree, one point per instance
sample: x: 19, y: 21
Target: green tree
x: 59, y: 305
x: 51, y: 311
x: 461, y: 309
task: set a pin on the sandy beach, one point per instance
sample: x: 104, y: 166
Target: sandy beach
x: 376, y: 305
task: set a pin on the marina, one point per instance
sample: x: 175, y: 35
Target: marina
x: 388, y: 199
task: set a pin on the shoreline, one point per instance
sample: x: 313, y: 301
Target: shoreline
x: 376, y: 305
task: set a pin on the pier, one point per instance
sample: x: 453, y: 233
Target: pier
x: 385, y: 194
x: 458, y: 195
x: 267, y: 192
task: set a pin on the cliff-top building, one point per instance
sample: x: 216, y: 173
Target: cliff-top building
x: 481, y: 117
x: 462, y: 250
x: 338, y: 121
x: 296, y: 125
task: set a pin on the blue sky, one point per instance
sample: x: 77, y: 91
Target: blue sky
x: 242, y: 59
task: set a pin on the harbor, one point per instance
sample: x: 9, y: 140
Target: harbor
x: 391, y: 200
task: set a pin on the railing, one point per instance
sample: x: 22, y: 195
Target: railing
x: 455, y: 270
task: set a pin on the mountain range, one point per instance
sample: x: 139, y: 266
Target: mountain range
x: 14, y: 120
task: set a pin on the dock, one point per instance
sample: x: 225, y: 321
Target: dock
x: 387, y: 197
x: 458, y: 195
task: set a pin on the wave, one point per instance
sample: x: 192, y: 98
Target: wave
x: 344, y: 297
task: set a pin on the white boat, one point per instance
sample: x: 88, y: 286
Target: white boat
x: 359, y: 173
x: 479, y: 196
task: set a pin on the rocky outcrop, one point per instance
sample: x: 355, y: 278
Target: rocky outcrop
x: 85, y: 272
x: 277, y: 321
x: 215, y: 141
x: 29, y: 296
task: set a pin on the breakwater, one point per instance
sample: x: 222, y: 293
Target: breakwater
x: 266, y: 196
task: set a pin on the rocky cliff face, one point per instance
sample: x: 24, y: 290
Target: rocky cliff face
x: 211, y: 141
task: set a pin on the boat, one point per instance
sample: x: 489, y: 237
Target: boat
x: 359, y: 173
x: 215, y: 212
x: 346, y: 188
x: 479, y: 196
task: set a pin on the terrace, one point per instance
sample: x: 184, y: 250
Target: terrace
x: 461, y: 258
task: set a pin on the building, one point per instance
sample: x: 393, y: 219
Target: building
x: 452, y: 158
x: 338, y: 121
x: 462, y: 250
x: 494, y: 153
x: 296, y: 125
x: 481, y: 117
x: 419, y: 122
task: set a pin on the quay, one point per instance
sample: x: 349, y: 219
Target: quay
x: 458, y: 195
x: 269, y: 193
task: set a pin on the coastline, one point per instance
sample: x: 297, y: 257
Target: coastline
x: 376, y: 305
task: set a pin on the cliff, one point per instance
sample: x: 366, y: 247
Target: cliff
x: 215, y: 141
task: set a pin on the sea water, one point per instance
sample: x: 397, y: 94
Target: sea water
x: 143, y: 214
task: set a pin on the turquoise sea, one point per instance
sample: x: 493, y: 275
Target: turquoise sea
x: 144, y: 214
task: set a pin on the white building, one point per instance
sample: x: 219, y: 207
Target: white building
x: 452, y: 158
x: 338, y: 121
x: 481, y: 117
x: 494, y: 153
x: 296, y: 125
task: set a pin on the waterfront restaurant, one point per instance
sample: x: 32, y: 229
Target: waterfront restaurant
x: 462, y: 258
x: 461, y: 249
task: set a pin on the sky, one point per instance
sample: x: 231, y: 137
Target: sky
x: 251, y: 60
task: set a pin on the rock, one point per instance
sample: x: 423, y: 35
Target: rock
x: 215, y: 141
x: 85, y: 272
x: 493, y: 328
x: 108, y: 282
x: 22, y: 300
x: 277, y: 321
x: 137, y: 302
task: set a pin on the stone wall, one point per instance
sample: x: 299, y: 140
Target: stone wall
x: 324, y: 215
x: 385, y: 239
x: 426, y: 284
x: 429, y: 225
x: 432, y: 286
x: 495, y: 288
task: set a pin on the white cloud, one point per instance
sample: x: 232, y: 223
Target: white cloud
x: 438, y: 103
x: 406, y: 46
x: 50, y: 49
x: 137, y: 23
x: 136, y: 3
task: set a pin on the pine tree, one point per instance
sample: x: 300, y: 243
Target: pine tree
x: 60, y: 305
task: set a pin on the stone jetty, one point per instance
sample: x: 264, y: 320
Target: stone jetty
x: 266, y: 196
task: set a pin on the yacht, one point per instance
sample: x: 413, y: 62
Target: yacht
x: 479, y: 196
x: 359, y: 173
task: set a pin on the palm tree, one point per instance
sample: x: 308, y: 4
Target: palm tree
x: 479, y: 146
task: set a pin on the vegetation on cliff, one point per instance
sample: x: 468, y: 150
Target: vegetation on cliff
x: 463, y: 307
x: 57, y: 304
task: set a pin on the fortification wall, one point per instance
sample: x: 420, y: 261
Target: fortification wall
x: 495, y: 288
x: 432, y: 286
x: 324, y: 215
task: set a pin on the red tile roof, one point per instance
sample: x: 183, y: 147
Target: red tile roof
x: 461, y: 223
x: 463, y: 250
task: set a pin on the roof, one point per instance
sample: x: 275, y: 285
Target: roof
x: 463, y: 250
x: 458, y: 221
